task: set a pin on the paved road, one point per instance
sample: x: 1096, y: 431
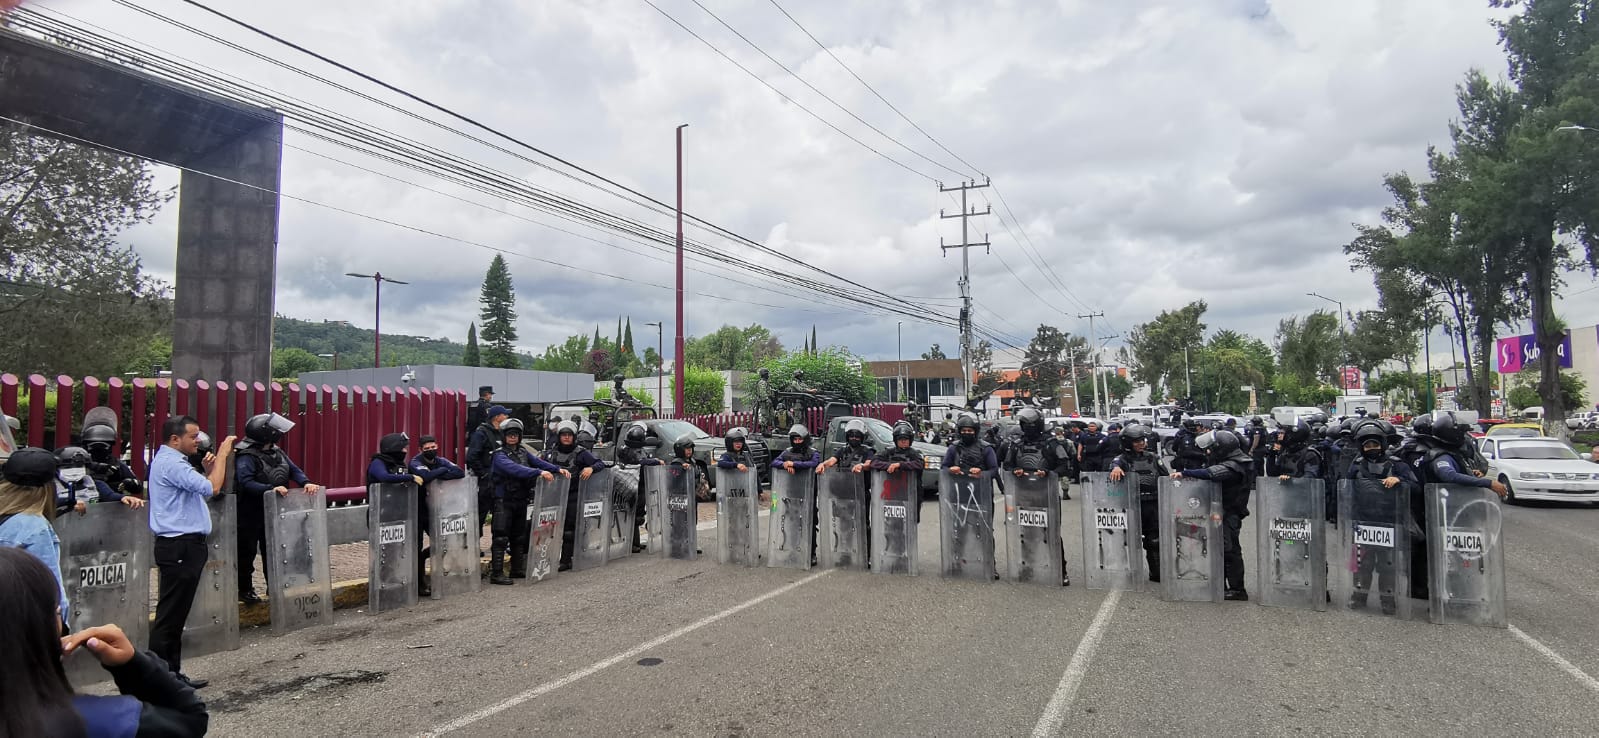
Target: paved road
x: 648, y: 646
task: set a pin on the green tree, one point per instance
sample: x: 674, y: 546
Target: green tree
x: 1226, y: 363
x: 729, y: 347
x: 1379, y: 336
x: 1044, y: 368
x: 642, y: 395
x: 1404, y: 389
x: 570, y: 356
x: 652, y: 360
x: 600, y: 364
x: 287, y: 363
x: 498, y: 314
x: 1573, y: 392
x: 1158, y: 346
x: 985, y: 379
x: 1522, y: 397
x: 703, y: 391
x: 813, y: 338
x: 72, y: 300
x: 936, y: 354
x: 1310, y: 348
x: 628, y: 349
x: 833, y: 370
x: 471, y: 356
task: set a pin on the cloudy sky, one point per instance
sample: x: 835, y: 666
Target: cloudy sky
x: 1152, y: 153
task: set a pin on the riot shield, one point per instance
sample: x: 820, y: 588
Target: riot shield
x: 1291, y: 538
x: 738, y: 501
x: 591, y: 540
x: 1113, y: 545
x: 213, y: 623
x: 966, y: 521
x: 1190, y: 540
x: 788, y: 533
x: 654, y: 511
x: 1468, y: 560
x: 1371, y: 551
x: 297, y: 566
x: 105, y: 564
x: 1032, y: 529
x: 454, y: 536
x: 896, y: 499
x: 674, y: 487
x: 624, y: 503
x: 391, y: 515
x: 841, y: 513
x: 547, y: 516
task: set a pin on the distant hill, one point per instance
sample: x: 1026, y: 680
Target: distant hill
x: 354, y: 345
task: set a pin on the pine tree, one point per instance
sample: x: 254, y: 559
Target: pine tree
x: 472, y: 356
x: 598, y: 343
x: 813, y: 339
x: 617, y: 349
x: 499, y: 316
x: 627, y: 338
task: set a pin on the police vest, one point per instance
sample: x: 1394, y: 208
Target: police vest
x: 1146, y: 466
x: 1029, y: 455
x: 802, y: 453
x: 272, y: 467
x: 971, y: 454
x: 853, y: 455
x: 897, y: 454
x: 564, y: 459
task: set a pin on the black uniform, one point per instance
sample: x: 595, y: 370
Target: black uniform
x: 575, y: 459
x: 256, y: 471
x: 1039, y: 453
x: 1375, y: 502
x: 480, y: 450
x: 848, y: 455
x: 1148, y: 470
x: 1236, y: 480
x: 1092, y: 444
x: 1188, y: 453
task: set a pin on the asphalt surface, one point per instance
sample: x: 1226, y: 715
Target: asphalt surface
x: 651, y: 646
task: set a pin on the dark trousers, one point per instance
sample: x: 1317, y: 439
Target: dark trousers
x: 181, y: 561
x: 252, y: 541
x: 424, y: 524
x: 511, y: 534
x: 1149, y: 524
x: 1232, y: 552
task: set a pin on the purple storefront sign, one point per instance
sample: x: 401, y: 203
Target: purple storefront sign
x: 1521, y: 352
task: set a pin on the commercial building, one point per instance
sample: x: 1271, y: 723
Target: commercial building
x: 917, y: 379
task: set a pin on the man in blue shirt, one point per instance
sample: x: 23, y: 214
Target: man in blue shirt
x: 180, y: 521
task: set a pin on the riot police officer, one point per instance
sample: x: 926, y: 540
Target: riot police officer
x: 737, y: 452
x: 428, y: 466
x: 632, y: 453
x: 480, y: 450
x: 1185, y: 447
x: 901, y: 456
x: 578, y: 464
x: 477, y: 413
x: 1258, y: 443
x: 1228, y: 466
x: 1299, y: 458
x: 1375, y: 463
x: 1034, y: 452
x: 100, y: 441
x: 513, y: 472
x: 971, y: 456
x: 1137, y: 459
x: 262, y: 467
x: 800, y: 455
x: 1439, y: 457
x: 76, y: 488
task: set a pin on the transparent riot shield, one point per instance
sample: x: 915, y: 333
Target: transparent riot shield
x: 896, y: 502
x: 1370, y: 551
x: 1291, y: 538
x: 391, y: 515
x: 454, y: 536
x: 591, y: 540
x: 546, y: 514
x: 841, y: 515
x: 788, y: 533
x: 300, y: 577
x: 623, y: 525
x: 213, y: 623
x: 738, y: 499
x: 1032, y: 529
x: 966, y: 521
x: 674, y: 487
x: 1113, y: 547
x: 1190, y: 540
x: 1468, y: 561
x: 106, y: 557
x: 654, y: 511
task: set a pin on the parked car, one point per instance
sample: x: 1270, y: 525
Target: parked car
x: 707, y: 448
x: 880, y: 436
x: 1515, y: 430
x: 1583, y: 421
x: 1540, y: 468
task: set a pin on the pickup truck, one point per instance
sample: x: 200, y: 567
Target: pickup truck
x: 881, y: 438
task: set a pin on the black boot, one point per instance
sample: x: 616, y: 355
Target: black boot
x: 497, y: 565
x: 518, y: 561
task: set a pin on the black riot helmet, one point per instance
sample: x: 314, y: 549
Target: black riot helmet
x: 1444, y: 428
x: 855, y: 432
x: 966, y: 426
x: 99, y: 439
x: 1190, y: 425
x: 1390, y: 431
x: 1422, y: 426
x: 393, y: 446
x: 683, y: 447
x: 635, y: 435
x: 1031, y: 421
x: 1368, y: 432
x: 511, y: 427
x: 799, y: 436
x: 1297, y: 434
x: 72, y: 456
x: 1258, y: 422
x: 1223, y: 444
x: 904, y: 432
x: 1132, y: 434
x: 1346, y: 429
x: 267, y: 427
x: 736, y: 435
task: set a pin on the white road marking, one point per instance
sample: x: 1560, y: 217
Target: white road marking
x: 1054, y: 715
x: 1581, y: 676
x: 599, y: 666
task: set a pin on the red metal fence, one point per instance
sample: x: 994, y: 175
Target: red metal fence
x: 721, y: 423
x: 336, y: 428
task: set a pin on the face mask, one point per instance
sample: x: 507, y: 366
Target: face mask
x: 430, y: 455
x: 1373, y: 454
x: 73, y: 474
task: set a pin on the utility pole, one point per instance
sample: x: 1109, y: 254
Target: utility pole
x: 1104, y: 378
x: 1093, y: 357
x: 677, y: 359
x: 377, y: 312
x: 966, y: 270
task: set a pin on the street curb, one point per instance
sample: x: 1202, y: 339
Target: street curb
x: 346, y: 595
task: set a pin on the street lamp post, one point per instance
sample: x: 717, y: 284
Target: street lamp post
x: 660, y: 360
x: 899, y: 356
x: 334, y: 356
x: 1343, y: 343
x: 377, y: 312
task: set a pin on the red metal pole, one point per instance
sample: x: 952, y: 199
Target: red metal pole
x: 181, y: 401
x: 114, y: 401
x: 8, y: 394
x: 377, y: 319
x: 63, y: 411
x: 677, y: 359
x: 36, y: 387
x: 91, y: 394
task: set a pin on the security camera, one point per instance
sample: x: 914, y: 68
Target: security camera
x: 408, y: 377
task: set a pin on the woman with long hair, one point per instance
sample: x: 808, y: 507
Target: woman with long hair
x: 28, y: 509
x: 35, y: 697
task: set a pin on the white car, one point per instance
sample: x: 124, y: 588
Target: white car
x: 1541, y: 469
